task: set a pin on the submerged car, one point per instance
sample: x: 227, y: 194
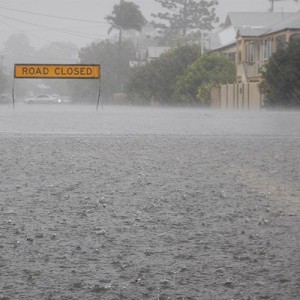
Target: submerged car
x: 43, y: 99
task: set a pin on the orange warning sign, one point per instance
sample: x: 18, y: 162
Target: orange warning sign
x: 57, y: 71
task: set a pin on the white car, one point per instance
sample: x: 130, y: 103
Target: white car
x: 43, y: 98
x: 66, y: 100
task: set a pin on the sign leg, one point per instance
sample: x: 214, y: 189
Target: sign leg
x: 99, y: 96
x: 13, y: 93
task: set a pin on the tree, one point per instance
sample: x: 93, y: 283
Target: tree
x: 19, y: 41
x: 3, y: 82
x: 185, y: 19
x: 18, y: 48
x: 125, y: 16
x: 104, y: 53
x: 157, y: 79
x: 207, y: 71
x: 53, y: 53
x: 281, y: 77
x: 57, y: 52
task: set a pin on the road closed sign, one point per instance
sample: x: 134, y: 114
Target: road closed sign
x: 74, y: 71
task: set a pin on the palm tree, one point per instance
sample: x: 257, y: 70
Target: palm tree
x: 125, y: 16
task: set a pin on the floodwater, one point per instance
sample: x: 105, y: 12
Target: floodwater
x: 148, y: 203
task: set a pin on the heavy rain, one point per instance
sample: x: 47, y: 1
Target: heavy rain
x: 173, y: 173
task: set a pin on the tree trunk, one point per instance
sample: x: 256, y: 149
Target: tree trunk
x: 119, y: 60
x: 184, y: 29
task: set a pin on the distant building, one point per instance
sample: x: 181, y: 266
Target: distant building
x: 147, y: 55
x: 153, y: 53
x: 146, y: 49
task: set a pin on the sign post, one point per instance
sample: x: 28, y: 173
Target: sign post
x: 61, y: 71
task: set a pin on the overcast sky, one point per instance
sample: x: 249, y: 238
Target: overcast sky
x: 35, y: 17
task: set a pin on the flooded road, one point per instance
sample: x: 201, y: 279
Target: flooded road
x: 145, y: 120
x: 148, y: 203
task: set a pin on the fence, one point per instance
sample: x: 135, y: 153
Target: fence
x: 240, y: 96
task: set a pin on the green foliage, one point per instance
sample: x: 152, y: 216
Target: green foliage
x: 281, y: 77
x: 184, y: 19
x: 106, y: 54
x: 205, y: 72
x: 157, y: 79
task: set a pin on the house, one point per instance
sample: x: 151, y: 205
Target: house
x: 234, y: 21
x: 250, y: 39
x: 255, y: 46
x: 139, y: 59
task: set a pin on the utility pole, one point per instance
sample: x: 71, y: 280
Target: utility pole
x: 271, y: 9
x: 120, y: 53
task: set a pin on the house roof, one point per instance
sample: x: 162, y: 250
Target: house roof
x: 254, y: 19
x: 289, y: 22
x: 222, y: 37
x: 252, y: 31
x: 248, y: 24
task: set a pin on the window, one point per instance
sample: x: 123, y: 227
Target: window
x: 267, y: 48
x: 249, y: 52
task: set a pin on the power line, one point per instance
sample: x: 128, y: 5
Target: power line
x: 52, y: 16
x: 87, y: 34
x: 70, y: 32
x: 74, y: 33
x: 33, y: 35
